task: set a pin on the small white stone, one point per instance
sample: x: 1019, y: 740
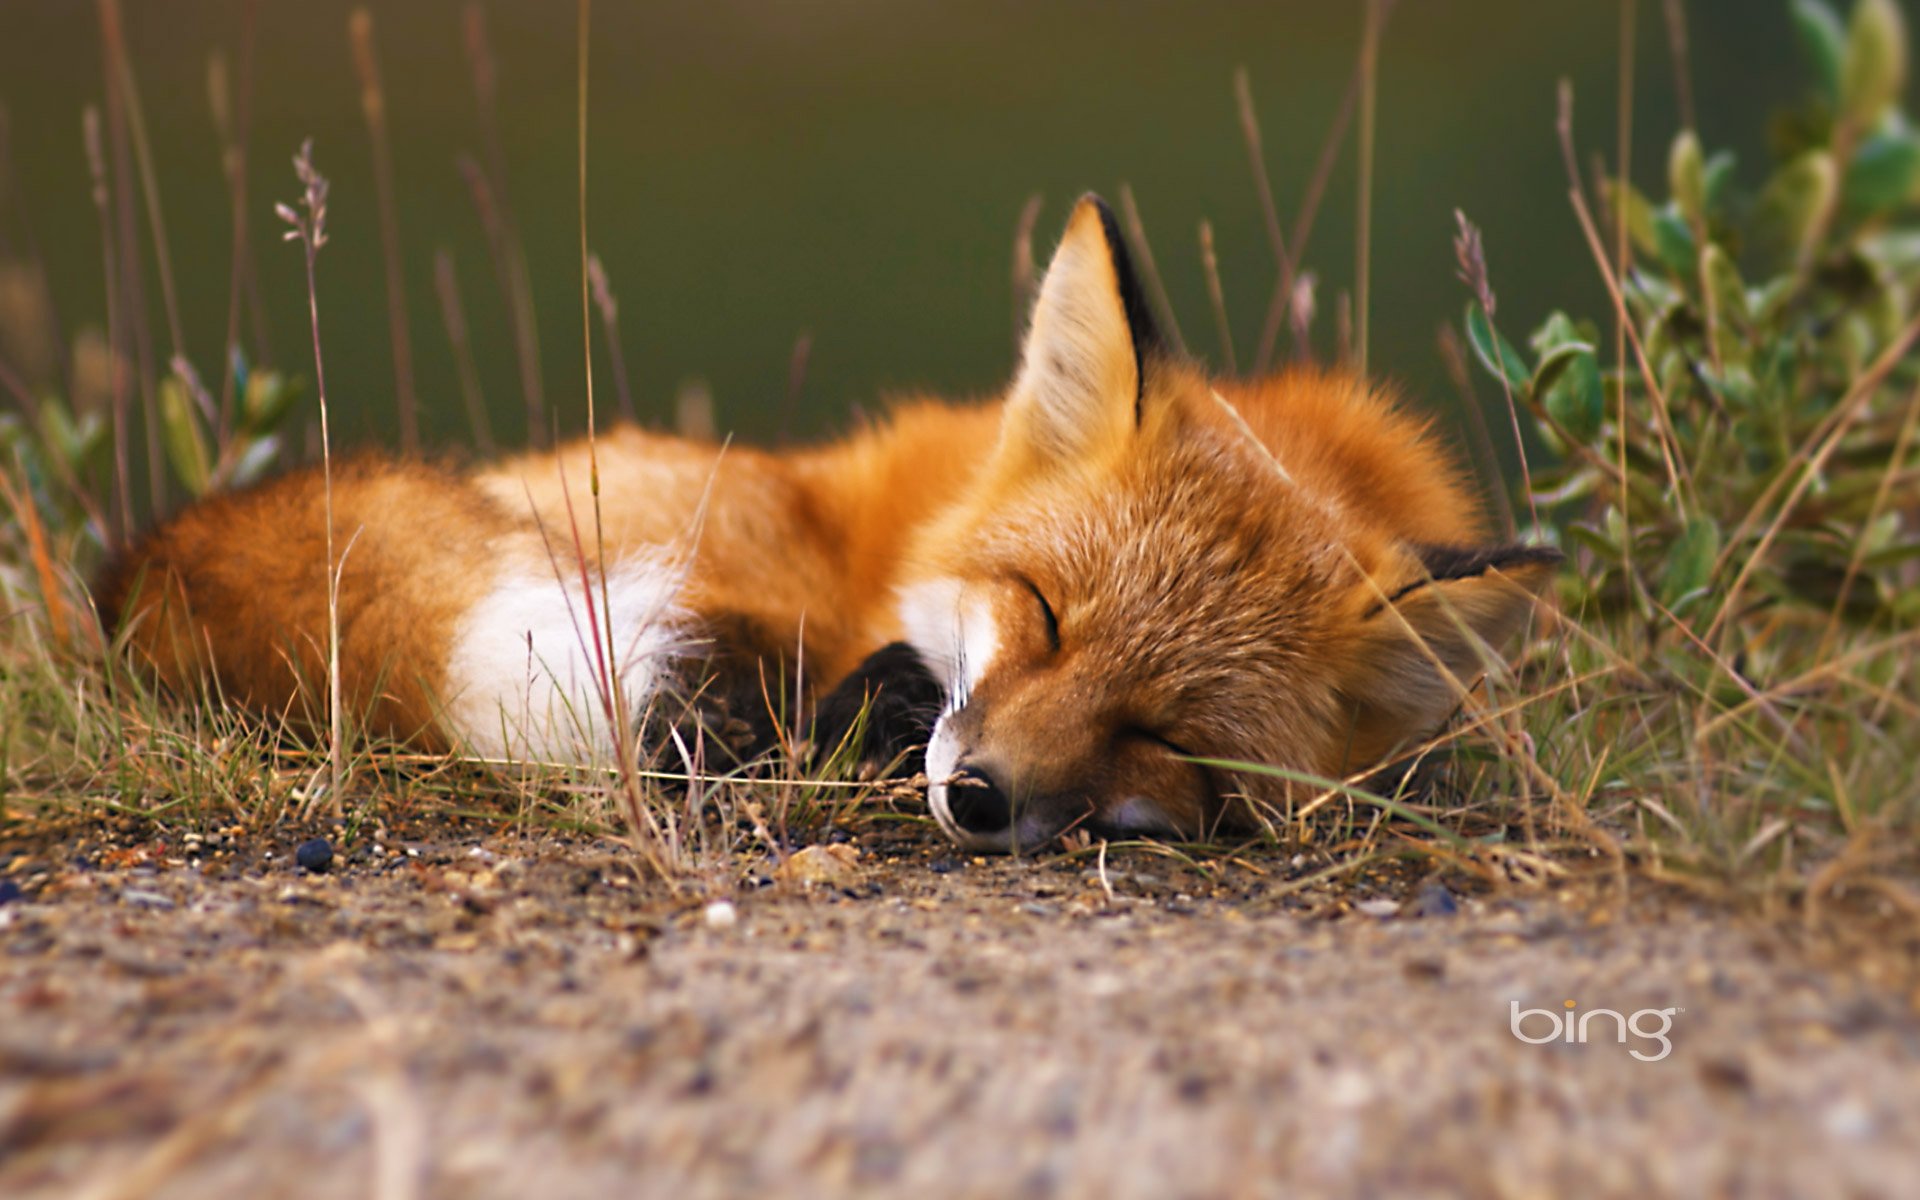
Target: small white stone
x: 721, y: 914
x: 1348, y: 1088
x: 1850, y: 1118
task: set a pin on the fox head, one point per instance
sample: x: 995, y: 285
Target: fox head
x: 1155, y: 568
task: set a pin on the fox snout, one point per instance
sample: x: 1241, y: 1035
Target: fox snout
x: 981, y: 812
x: 1014, y: 786
x: 975, y: 806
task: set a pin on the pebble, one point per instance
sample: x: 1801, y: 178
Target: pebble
x: 1849, y: 1118
x: 315, y: 856
x: 1434, y: 900
x: 721, y: 914
x: 833, y: 865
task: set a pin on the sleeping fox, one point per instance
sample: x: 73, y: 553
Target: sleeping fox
x: 1068, y: 595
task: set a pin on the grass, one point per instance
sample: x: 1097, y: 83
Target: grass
x: 1726, y: 695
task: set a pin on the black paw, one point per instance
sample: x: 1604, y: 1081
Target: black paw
x: 880, y: 713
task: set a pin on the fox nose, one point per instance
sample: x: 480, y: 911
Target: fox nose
x: 977, y: 803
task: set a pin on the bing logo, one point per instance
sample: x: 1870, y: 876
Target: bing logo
x: 1651, y: 1024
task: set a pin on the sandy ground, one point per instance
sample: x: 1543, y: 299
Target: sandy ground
x: 470, y: 1014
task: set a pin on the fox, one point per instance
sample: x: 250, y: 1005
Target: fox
x: 1073, y: 602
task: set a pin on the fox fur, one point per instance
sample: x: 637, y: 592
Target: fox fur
x: 1067, y: 594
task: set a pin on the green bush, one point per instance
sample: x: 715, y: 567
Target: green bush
x: 1734, y: 470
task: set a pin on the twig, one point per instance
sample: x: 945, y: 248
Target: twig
x: 15, y: 386
x: 143, y: 155
x: 234, y: 122
x: 117, y: 359
x: 1024, y: 268
x: 613, y: 694
x: 1682, y: 68
x: 1137, y: 230
x: 1623, y: 172
x: 1453, y: 356
x: 309, y: 228
x: 14, y: 196
x: 27, y: 516
x: 133, y: 298
x: 1210, y: 263
x: 608, y: 306
x: 1882, y: 496
x: 1285, y: 290
x: 1677, y: 477
x: 1363, y: 250
x: 1470, y: 253
x: 510, y: 259
x: 373, y: 103
x: 1827, y: 436
x: 1301, y: 309
x: 796, y: 383
x: 499, y: 246
x: 1262, y: 184
x: 454, y: 316
x: 693, y: 412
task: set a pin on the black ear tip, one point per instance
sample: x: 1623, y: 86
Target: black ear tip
x: 1147, y: 341
x: 1110, y: 226
x: 1460, y: 562
x: 1532, y: 556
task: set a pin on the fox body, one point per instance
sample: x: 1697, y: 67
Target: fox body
x: 1069, y: 594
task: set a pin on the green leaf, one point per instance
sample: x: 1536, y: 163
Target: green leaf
x: 1495, y: 352
x: 1673, y: 240
x: 1735, y: 385
x: 1719, y: 176
x: 1884, y: 172
x: 1823, y: 39
x: 185, y: 441
x: 1769, y: 300
x: 1639, y: 212
x: 1875, y: 67
x: 60, y: 434
x: 1895, y: 251
x: 1792, y: 202
x: 1724, y: 284
x: 1556, y: 331
x: 1687, y: 176
x: 1689, y: 566
x: 1568, y: 384
x: 1604, y: 546
x: 1891, y: 556
x: 268, y: 398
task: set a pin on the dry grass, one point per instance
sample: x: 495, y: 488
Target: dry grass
x: 1745, y: 748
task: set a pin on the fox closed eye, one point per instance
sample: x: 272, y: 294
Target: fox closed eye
x: 1141, y: 733
x: 1046, y: 614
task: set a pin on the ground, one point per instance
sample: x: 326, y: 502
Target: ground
x: 468, y: 1012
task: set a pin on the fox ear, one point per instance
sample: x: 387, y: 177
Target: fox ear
x: 1457, y: 614
x: 1083, y: 368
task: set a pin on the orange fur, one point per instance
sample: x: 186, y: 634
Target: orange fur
x: 1135, y: 578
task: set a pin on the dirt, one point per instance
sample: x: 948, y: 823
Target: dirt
x: 457, y: 1011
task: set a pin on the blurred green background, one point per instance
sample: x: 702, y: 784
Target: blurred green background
x: 852, y: 170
